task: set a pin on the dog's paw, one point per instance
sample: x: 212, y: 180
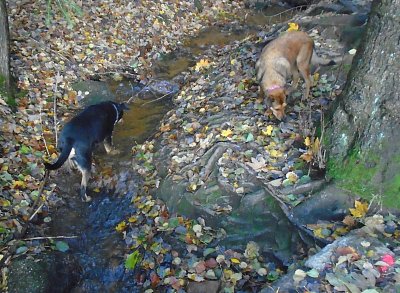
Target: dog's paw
x: 86, y: 198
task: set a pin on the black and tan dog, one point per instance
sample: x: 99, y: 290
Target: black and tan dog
x: 82, y: 133
x: 287, y: 56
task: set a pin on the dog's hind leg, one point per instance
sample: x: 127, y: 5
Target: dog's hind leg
x: 303, y: 62
x: 84, y: 164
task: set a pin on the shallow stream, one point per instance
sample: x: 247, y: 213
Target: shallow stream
x: 98, y: 249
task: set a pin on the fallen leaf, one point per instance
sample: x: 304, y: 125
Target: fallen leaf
x: 226, y: 132
x: 202, y: 64
x: 293, y: 26
x: 360, y: 209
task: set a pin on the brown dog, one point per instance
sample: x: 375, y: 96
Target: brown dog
x: 285, y: 56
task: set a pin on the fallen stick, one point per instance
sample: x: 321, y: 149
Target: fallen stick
x: 49, y: 237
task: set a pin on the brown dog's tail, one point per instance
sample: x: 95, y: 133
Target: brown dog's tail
x: 66, y: 150
x: 316, y: 60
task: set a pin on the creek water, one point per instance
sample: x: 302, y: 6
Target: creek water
x: 97, y: 247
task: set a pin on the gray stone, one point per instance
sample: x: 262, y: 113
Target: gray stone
x: 330, y: 204
x: 354, y: 239
x: 202, y: 287
x: 50, y: 272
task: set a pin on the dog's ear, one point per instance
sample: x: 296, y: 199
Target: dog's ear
x: 123, y: 106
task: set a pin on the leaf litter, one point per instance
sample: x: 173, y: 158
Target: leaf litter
x: 48, y: 60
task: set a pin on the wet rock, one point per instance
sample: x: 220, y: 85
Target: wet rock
x: 284, y: 284
x: 316, y: 207
x: 50, y: 272
x: 251, y: 215
x: 163, y: 87
x: 201, y: 287
x: 92, y: 92
x: 307, y: 187
x: 355, y: 239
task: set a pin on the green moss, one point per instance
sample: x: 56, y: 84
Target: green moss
x: 392, y: 193
x: 355, y: 173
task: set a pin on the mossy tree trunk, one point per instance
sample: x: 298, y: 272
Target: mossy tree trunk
x: 364, y: 131
x: 4, y: 48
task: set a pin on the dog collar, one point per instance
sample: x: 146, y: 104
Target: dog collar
x: 274, y: 87
x: 116, y: 111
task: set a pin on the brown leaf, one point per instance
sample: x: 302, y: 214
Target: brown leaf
x: 345, y: 250
x: 349, y: 221
x: 200, y: 267
x: 211, y: 263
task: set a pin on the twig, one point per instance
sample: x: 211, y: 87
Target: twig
x: 131, y: 98
x: 160, y: 98
x: 37, y: 210
x: 50, y: 237
x: 114, y: 72
x: 46, y: 176
x: 42, y: 132
x: 280, y: 14
x: 337, y: 76
x: 289, y: 215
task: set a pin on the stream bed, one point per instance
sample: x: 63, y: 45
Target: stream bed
x: 97, y: 250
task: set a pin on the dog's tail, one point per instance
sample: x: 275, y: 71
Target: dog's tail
x: 316, y: 60
x: 66, y: 150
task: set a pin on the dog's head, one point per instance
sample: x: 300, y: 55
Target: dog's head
x: 278, y: 97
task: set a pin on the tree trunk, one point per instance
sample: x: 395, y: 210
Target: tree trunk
x: 364, y: 132
x: 4, y: 48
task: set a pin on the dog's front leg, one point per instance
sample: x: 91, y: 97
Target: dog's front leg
x: 295, y: 78
x: 108, y: 145
x: 84, y: 182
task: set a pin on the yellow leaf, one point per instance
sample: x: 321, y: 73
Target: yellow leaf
x: 318, y: 233
x: 268, y: 131
x: 119, y: 42
x: 203, y: 63
x: 235, y: 260
x: 18, y: 184
x: 370, y: 253
x: 341, y: 230
x: 132, y: 219
x: 275, y: 153
x: 5, y: 203
x: 360, y: 209
x: 192, y: 186
x: 233, y: 61
x: 316, y: 145
x: 316, y: 76
x: 307, y: 141
x: 121, y: 226
x: 226, y: 132
x: 293, y: 26
x: 96, y: 189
